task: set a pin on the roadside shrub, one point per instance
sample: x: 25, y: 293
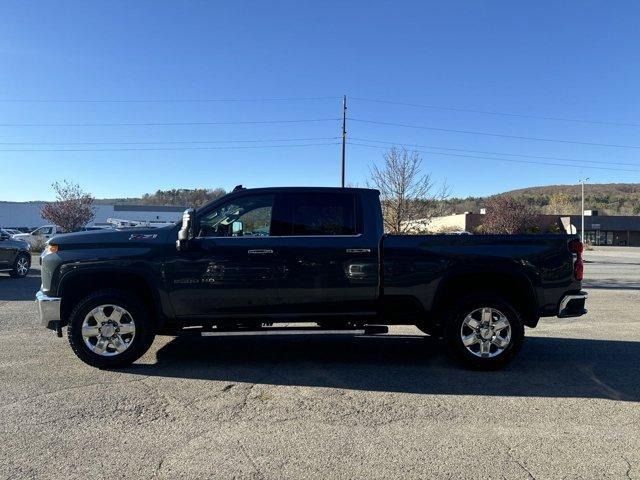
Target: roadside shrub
x: 507, y: 215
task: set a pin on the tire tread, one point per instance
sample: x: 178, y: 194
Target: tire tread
x: 135, y: 351
x: 452, y: 325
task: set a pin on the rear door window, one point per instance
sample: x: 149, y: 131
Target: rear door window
x: 318, y: 214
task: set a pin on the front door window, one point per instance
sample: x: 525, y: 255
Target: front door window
x: 248, y: 216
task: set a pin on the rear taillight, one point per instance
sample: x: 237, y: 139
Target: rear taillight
x: 576, y: 247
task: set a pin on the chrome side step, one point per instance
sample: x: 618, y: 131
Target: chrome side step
x: 366, y: 330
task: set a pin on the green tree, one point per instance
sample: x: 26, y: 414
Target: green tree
x: 560, y: 204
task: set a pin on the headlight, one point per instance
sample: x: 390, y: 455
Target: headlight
x: 50, y: 248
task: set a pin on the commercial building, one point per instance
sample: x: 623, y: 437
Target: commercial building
x: 605, y: 229
x: 471, y: 222
x: 26, y: 215
x: 599, y: 229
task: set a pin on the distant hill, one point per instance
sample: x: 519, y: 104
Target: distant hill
x: 607, y: 198
x: 177, y: 197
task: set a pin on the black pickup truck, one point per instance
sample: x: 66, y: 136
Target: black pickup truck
x: 262, y: 256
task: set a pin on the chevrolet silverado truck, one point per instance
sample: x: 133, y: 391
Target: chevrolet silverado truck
x: 258, y: 257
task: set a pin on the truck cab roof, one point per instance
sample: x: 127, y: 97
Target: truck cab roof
x: 238, y: 190
x: 307, y: 189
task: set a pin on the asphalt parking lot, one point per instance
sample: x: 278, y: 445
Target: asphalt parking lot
x: 323, y: 406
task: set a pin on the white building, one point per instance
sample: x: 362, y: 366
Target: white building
x: 27, y: 214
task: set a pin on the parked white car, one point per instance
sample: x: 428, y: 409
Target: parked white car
x: 40, y: 235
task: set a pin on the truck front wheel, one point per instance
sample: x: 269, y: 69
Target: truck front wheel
x: 484, y: 331
x: 110, y: 329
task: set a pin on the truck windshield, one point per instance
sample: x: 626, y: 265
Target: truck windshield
x: 42, y: 231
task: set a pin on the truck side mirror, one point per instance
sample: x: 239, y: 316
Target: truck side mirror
x: 237, y: 228
x: 185, y: 234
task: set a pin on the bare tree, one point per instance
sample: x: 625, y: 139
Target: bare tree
x: 508, y: 215
x: 72, y: 209
x: 407, y: 195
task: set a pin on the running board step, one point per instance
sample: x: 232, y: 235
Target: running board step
x: 366, y: 330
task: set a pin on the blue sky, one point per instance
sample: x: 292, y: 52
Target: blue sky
x: 575, y: 60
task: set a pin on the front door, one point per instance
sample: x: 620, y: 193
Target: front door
x: 233, y: 266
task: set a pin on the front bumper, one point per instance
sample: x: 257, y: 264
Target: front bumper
x: 49, y: 308
x: 572, y: 305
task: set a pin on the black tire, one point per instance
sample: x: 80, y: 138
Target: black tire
x: 18, y: 271
x: 139, y: 344
x: 454, y: 330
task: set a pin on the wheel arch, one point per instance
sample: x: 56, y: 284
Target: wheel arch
x: 514, y: 287
x: 78, y: 284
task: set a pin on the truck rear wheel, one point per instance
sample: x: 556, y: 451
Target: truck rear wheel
x: 110, y: 329
x: 484, y: 331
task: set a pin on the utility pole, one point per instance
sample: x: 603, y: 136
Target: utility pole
x: 344, y: 134
x: 582, y: 180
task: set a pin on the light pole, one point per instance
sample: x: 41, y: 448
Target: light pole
x: 582, y: 180
x: 344, y: 135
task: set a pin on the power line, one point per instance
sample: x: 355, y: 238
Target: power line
x: 173, y: 100
x: 507, y: 159
x: 181, y: 142
x: 317, y: 98
x: 164, y: 124
x: 504, y: 114
x: 491, y: 134
x: 564, y: 159
x: 163, y: 148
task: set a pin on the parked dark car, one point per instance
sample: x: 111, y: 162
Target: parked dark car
x: 303, y: 254
x: 15, y: 255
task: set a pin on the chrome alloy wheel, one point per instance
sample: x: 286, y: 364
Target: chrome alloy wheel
x: 486, y: 332
x: 108, y: 330
x: 22, y: 267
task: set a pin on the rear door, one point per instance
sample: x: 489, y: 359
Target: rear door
x: 330, y: 263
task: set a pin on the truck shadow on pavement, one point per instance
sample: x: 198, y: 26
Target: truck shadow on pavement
x: 611, y: 284
x: 546, y: 366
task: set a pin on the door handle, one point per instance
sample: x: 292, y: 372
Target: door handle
x: 260, y: 251
x: 358, y: 250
